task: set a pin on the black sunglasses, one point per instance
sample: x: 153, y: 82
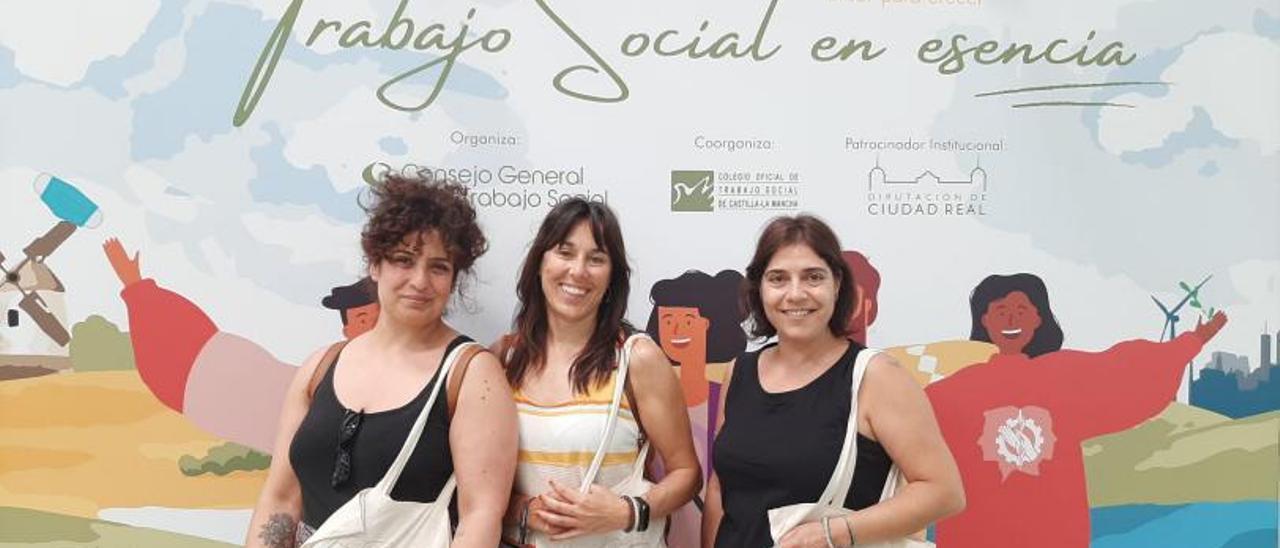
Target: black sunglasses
x: 347, y: 430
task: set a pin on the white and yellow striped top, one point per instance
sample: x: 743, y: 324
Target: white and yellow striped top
x: 558, y: 441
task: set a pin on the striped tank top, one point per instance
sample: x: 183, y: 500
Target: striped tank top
x: 558, y: 441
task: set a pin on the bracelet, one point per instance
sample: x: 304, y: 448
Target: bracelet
x: 642, y: 517
x: 522, y: 529
x: 631, y: 513
x: 852, y: 540
x: 826, y: 530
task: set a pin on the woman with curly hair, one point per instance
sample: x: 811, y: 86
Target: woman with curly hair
x: 350, y: 409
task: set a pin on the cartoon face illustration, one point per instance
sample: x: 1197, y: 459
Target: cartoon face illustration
x: 1011, y: 322
x: 356, y: 305
x: 683, y: 333
x: 697, y: 320
x: 359, y: 320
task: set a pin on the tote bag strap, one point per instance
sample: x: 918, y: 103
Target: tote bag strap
x: 842, y: 477
x: 619, y: 383
x: 397, y: 466
x: 892, y: 483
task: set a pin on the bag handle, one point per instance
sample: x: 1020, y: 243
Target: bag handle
x: 842, y: 477
x: 619, y: 383
x: 456, y: 377
x: 389, y: 479
x: 326, y: 362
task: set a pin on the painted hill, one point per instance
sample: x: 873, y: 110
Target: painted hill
x: 1186, y: 454
x: 23, y: 527
x: 76, y: 443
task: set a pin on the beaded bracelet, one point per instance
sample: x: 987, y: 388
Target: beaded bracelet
x: 631, y: 513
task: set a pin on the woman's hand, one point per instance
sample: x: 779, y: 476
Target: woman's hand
x: 598, y: 511
x: 536, y: 523
x: 807, y: 535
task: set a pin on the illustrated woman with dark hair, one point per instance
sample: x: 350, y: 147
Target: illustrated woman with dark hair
x: 789, y: 405
x: 563, y: 359
x: 697, y: 319
x: 351, y: 408
x: 1022, y: 321
x: 1015, y: 422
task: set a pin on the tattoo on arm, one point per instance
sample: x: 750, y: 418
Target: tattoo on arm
x: 279, y: 531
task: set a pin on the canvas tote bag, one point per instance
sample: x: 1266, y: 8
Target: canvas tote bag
x: 371, y: 519
x: 634, y: 485
x: 831, y: 502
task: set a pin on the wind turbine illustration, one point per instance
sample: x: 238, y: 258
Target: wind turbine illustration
x: 1170, y: 329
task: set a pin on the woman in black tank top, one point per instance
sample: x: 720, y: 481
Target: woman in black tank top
x: 786, y: 410
x: 373, y: 445
x: 348, y: 414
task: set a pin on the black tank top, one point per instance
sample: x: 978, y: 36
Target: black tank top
x: 376, y: 444
x: 780, y: 449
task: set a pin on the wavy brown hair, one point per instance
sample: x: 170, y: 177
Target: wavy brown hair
x: 526, y: 349
x: 799, y: 229
x: 399, y: 206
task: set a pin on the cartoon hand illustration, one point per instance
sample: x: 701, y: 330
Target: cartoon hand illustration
x: 1206, y: 331
x: 127, y: 269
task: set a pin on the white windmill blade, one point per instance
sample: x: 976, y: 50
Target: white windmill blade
x: 38, y: 310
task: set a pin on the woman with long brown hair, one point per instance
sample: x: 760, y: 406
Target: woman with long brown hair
x: 569, y: 346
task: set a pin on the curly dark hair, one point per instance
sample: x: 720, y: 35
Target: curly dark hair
x: 399, y: 206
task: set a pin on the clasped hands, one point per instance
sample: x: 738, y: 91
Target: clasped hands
x: 564, y: 513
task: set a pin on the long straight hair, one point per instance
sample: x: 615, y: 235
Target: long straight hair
x: 526, y: 349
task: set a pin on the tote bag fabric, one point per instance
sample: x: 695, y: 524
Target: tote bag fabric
x: 372, y: 519
x: 634, y: 485
x: 831, y: 503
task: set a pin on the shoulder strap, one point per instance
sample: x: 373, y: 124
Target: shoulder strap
x: 456, y: 376
x: 842, y: 477
x: 630, y: 392
x: 330, y: 356
x: 620, y: 381
x: 389, y: 479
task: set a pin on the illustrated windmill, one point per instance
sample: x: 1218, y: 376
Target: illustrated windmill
x: 1170, y: 329
x: 37, y: 287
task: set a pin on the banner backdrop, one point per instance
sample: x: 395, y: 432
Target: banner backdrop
x: 181, y: 181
